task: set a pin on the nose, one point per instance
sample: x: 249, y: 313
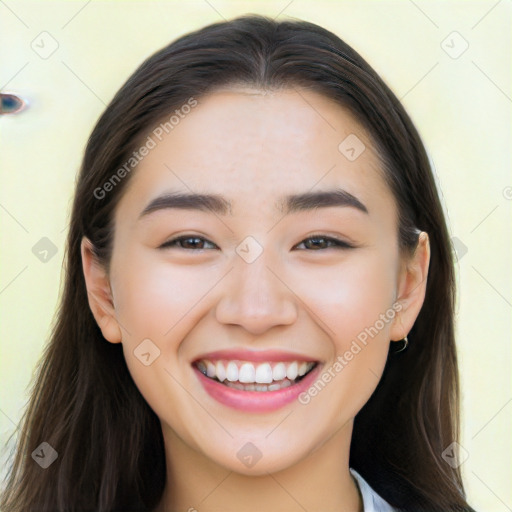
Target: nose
x: 256, y: 297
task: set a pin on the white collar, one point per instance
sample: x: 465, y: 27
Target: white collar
x: 372, y: 502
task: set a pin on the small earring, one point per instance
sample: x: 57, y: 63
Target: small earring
x: 406, y: 342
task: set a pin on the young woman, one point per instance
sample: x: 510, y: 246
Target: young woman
x: 258, y: 302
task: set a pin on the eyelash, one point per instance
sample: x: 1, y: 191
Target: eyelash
x: 337, y: 244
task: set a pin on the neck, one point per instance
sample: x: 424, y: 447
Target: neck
x: 320, y: 482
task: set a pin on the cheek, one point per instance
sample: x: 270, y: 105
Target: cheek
x: 355, y: 303
x: 155, y: 297
x: 161, y: 303
x: 351, y: 297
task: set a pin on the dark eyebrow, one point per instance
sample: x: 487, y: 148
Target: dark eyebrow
x: 321, y: 199
x: 185, y: 201
x: 220, y: 205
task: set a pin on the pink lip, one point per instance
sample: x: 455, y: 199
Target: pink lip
x: 253, y: 355
x: 256, y: 401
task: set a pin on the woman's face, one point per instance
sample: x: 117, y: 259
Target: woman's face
x: 247, y: 296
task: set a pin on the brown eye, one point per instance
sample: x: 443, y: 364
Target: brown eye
x: 317, y: 242
x: 190, y: 242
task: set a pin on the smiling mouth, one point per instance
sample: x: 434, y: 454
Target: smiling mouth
x: 248, y: 376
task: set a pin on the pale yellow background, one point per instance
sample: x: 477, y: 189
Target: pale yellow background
x: 461, y: 107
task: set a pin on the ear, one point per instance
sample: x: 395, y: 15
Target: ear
x: 99, y: 293
x: 412, y: 285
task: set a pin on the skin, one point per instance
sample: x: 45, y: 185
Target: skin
x: 254, y: 147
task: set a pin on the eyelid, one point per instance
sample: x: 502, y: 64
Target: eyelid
x: 338, y: 243
x: 177, y: 239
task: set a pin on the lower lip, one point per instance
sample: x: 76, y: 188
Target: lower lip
x: 256, y: 401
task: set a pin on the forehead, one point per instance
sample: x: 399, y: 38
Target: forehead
x: 254, y: 147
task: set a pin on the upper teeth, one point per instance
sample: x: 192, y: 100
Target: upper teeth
x: 246, y: 372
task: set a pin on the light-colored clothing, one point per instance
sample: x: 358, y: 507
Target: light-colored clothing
x: 372, y: 502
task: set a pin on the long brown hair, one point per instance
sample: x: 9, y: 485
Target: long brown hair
x: 84, y: 402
